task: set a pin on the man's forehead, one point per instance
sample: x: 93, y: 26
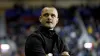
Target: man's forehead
x: 47, y: 9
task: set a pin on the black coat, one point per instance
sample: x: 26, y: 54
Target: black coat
x: 44, y: 41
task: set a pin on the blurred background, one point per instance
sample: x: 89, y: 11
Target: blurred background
x: 79, y: 24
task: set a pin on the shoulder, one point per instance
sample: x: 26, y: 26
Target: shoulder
x: 34, y: 36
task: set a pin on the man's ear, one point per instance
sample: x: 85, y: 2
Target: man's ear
x: 57, y: 20
x: 40, y: 18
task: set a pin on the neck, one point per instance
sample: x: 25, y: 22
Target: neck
x: 48, y: 28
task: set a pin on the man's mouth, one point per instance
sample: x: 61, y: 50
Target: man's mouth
x: 48, y: 22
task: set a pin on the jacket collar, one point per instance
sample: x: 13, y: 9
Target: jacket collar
x: 48, y: 33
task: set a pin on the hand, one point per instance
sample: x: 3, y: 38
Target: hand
x: 65, y: 53
x: 50, y: 54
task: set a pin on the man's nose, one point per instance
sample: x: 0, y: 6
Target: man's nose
x: 49, y: 17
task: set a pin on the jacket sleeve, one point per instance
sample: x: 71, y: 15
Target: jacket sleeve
x: 61, y: 46
x: 33, y: 46
x: 64, y: 47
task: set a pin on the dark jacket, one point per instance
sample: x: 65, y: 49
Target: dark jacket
x: 44, y: 41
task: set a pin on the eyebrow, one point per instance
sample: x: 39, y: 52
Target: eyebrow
x: 45, y: 14
x: 48, y: 14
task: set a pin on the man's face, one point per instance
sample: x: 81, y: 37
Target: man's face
x: 49, y: 17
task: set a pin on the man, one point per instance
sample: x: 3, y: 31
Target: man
x: 44, y: 41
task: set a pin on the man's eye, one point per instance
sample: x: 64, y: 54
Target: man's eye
x: 53, y: 15
x: 46, y: 15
